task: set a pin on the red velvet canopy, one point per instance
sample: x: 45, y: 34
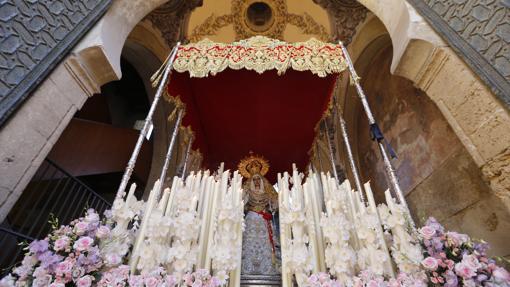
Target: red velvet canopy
x: 260, y: 95
x: 236, y: 112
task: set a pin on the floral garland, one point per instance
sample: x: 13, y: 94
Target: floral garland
x: 88, y: 252
x: 71, y: 253
x: 451, y: 259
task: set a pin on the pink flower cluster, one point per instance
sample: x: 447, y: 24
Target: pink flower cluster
x: 453, y: 259
x: 367, y: 279
x: 321, y: 279
x: 120, y: 276
x: 70, y: 254
x: 202, y: 278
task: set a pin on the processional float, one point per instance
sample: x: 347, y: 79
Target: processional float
x: 319, y: 215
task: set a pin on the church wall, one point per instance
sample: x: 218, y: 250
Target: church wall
x: 28, y: 136
x: 435, y: 170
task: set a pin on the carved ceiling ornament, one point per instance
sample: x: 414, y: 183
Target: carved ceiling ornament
x: 242, y: 21
x: 346, y: 16
x: 271, y: 21
x: 170, y: 18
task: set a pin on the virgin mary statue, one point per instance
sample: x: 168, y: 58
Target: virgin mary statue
x: 259, y: 253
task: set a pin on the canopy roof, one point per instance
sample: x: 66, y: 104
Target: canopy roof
x: 260, y: 95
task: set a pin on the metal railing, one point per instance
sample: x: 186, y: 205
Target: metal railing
x: 52, y: 192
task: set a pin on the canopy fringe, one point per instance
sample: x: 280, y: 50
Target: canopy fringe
x: 156, y: 77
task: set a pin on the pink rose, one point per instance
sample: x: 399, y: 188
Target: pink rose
x: 427, y: 232
x: 135, y: 280
x: 81, y: 227
x: 457, y: 238
x: 197, y: 283
x: 393, y: 283
x: 469, y: 283
x: 313, y: 279
x: 323, y: 277
x: 430, y: 263
x: 57, y: 284
x: 501, y: 275
x: 464, y: 271
x: 151, y: 282
x: 92, y: 216
x: 450, y: 264
x: 471, y: 261
x: 103, y: 231
x: 84, y: 243
x: 61, y: 243
x: 357, y: 282
x: 64, y: 268
x: 372, y: 283
x: 188, y: 279
x: 85, y: 281
x: 171, y: 280
x: 113, y: 259
x: 42, y: 281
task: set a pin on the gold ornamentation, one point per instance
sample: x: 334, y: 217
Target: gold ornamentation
x: 308, y: 25
x: 275, y: 28
x: 260, y: 54
x: 346, y: 16
x: 246, y: 163
x: 210, y: 26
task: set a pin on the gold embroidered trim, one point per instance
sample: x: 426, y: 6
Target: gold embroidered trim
x: 260, y: 54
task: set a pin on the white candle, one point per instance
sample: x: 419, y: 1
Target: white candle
x: 170, y: 201
x: 164, y: 200
x: 193, y: 205
x: 380, y: 232
x: 143, y: 226
x: 389, y: 200
x: 131, y: 193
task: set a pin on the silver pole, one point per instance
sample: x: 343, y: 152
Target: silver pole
x: 186, y: 157
x: 348, y: 149
x: 390, y: 170
x: 168, y: 156
x: 331, y: 154
x: 148, y: 121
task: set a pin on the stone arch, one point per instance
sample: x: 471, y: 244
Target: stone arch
x: 109, y: 35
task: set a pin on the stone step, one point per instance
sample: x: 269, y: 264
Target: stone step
x: 261, y: 280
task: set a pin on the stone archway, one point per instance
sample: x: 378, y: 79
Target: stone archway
x: 433, y: 161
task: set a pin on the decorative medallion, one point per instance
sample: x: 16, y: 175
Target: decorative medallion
x: 259, y: 17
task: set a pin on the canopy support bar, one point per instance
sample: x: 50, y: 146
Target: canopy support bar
x: 186, y: 157
x: 352, y: 163
x: 377, y: 135
x: 148, y: 122
x: 168, y: 156
x: 331, y: 152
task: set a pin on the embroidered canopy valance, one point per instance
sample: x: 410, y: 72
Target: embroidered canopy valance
x: 259, y: 54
